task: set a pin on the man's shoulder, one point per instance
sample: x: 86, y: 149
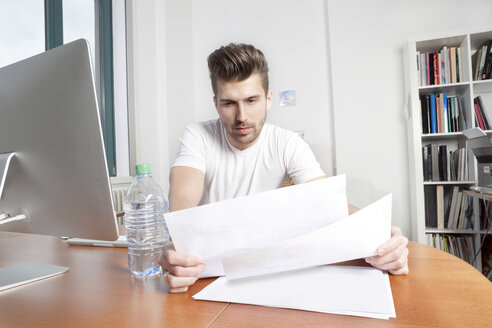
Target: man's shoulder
x: 209, y: 128
x: 280, y: 134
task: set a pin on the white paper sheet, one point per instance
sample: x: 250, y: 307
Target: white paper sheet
x: 345, y: 290
x: 222, y: 229
x: 353, y: 237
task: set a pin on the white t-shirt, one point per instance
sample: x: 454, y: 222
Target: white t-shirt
x: 230, y: 172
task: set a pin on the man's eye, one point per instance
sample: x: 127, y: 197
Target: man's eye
x: 251, y: 101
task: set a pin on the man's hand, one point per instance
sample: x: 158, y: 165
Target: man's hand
x: 393, y: 254
x: 183, y: 269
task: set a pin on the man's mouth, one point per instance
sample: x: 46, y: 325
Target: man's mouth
x: 243, y: 129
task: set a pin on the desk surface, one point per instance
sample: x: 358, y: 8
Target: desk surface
x: 98, y: 291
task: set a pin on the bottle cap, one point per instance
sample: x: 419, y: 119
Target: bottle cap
x: 143, y: 169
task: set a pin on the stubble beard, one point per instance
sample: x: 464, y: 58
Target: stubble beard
x: 250, y: 138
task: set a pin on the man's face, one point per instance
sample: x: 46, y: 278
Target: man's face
x: 242, y: 107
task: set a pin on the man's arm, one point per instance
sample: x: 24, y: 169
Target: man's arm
x: 186, y: 189
x: 318, y: 178
x: 393, y: 254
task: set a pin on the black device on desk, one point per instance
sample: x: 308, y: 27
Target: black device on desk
x: 481, y: 146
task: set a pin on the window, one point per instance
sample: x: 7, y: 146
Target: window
x: 29, y: 27
x: 21, y: 30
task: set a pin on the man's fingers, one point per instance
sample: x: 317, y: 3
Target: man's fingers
x: 180, y: 271
x: 175, y: 258
x: 395, y: 231
x: 178, y: 290
x: 392, y: 244
x: 394, y: 261
x: 394, y: 255
x: 402, y: 271
x: 176, y: 284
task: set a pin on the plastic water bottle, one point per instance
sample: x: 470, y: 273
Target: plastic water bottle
x: 146, y: 230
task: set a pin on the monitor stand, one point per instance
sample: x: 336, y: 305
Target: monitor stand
x: 26, y: 272
x: 4, y: 167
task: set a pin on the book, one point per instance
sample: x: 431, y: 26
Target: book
x: 452, y: 111
x: 433, y: 113
x: 462, y: 121
x: 486, y: 60
x: 483, y: 112
x: 476, y: 57
x: 431, y: 68
x: 482, y: 61
x: 459, y: 64
x: 444, y: 108
x: 441, y: 68
x: 423, y: 72
x: 452, y: 207
x: 431, y: 206
x: 427, y: 70
x: 446, y: 64
x: 435, y: 162
x: 424, y: 104
x: 427, y: 153
x: 440, y: 206
x: 443, y: 158
x: 479, y: 116
x: 436, y: 68
x: 419, y: 75
x: 460, y: 221
x: 438, y: 114
x: 454, y: 219
x: 452, y: 60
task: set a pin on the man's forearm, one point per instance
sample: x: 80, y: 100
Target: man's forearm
x: 186, y: 188
x: 181, y: 202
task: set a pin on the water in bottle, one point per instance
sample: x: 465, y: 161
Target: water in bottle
x: 146, y: 231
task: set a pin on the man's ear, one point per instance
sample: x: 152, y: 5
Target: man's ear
x: 215, y: 103
x: 269, y: 99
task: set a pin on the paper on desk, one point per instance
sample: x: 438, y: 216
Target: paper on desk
x: 358, y: 291
x: 353, y: 237
x: 224, y: 228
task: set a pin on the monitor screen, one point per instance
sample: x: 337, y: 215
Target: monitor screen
x: 56, y: 182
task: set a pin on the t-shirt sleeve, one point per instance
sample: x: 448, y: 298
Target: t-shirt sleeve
x: 192, y: 148
x: 302, y: 165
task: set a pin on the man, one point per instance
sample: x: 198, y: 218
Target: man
x: 239, y: 154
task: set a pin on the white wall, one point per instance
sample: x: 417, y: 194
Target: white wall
x: 367, y: 40
x: 292, y: 35
x: 147, y: 86
x: 364, y: 54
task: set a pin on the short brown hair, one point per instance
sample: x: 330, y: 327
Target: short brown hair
x: 236, y: 62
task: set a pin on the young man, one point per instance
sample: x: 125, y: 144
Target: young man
x: 239, y: 154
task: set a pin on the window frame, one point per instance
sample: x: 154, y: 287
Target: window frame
x: 103, y: 66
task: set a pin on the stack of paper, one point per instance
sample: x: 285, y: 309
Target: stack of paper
x: 221, y: 229
x: 330, y: 289
x: 273, y: 235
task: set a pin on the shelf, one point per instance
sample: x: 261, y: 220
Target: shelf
x: 450, y: 231
x: 466, y: 90
x: 444, y: 88
x: 436, y: 183
x: 441, y: 136
x: 482, y: 86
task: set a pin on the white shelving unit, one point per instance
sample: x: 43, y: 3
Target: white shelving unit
x: 467, y: 89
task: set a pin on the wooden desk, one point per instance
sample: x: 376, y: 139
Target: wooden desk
x: 98, y: 291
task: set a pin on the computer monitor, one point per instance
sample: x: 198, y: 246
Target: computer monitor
x: 56, y: 182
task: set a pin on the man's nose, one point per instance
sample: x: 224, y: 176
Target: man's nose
x: 241, y: 112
